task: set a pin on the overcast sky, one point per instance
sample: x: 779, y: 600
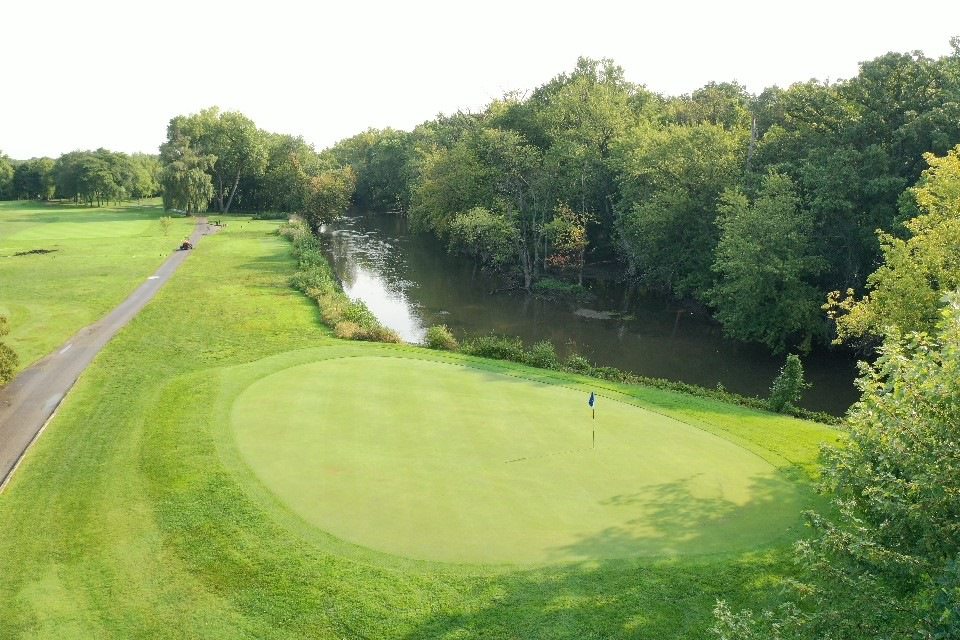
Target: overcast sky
x: 92, y: 73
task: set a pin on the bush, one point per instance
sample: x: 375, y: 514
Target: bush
x: 554, y: 289
x: 440, y: 337
x: 542, y: 355
x: 350, y: 319
x: 347, y: 330
x: 578, y: 364
x: 496, y: 347
x: 8, y: 357
x: 788, y: 386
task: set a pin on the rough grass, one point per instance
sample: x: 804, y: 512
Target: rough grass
x: 75, y: 264
x: 126, y: 521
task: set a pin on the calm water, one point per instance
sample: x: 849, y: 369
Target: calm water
x: 411, y: 284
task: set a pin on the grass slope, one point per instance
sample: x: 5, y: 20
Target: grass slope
x: 127, y: 519
x: 97, y: 256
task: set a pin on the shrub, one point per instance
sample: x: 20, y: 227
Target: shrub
x: 8, y: 357
x: 788, y: 386
x: 558, y: 289
x: 440, y: 337
x: 496, y: 347
x: 578, y: 364
x: 347, y: 330
x: 350, y: 319
x: 542, y: 355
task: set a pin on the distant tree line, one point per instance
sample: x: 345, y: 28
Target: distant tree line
x: 91, y: 177
x: 221, y: 161
x: 757, y: 206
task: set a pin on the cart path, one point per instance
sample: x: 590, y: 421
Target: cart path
x: 28, y: 403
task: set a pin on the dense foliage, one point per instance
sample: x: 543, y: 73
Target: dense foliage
x: 907, y: 290
x: 93, y: 177
x: 221, y: 160
x: 756, y: 205
x: 885, y: 562
x: 788, y: 386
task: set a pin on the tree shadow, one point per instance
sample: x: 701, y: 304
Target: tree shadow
x: 634, y: 597
x: 677, y: 519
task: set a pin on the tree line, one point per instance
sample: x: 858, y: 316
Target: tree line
x: 221, y: 161
x: 756, y: 206
x: 91, y: 177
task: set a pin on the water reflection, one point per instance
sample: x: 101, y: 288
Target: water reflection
x: 410, y: 284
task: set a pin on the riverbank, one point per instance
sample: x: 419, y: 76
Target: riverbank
x: 410, y: 284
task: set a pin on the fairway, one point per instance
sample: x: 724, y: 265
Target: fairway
x: 64, y: 266
x: 448, y: 463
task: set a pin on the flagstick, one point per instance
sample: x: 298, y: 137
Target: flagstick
x: 594, y: 444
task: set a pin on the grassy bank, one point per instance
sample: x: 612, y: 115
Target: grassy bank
x: 128, y: 520
x: 64, y: 266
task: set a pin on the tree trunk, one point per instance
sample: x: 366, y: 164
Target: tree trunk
x: 233, y: 192
x: 220, y: 193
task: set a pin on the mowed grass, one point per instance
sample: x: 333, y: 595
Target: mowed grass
x: 130, y: 518
x: 96, y: 257
x: 445, y: 462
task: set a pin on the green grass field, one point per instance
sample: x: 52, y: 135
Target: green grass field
x: 157, y: 503
x: 449, y: 463
x: 96, y: 257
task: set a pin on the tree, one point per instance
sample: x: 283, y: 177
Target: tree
x: 671, y: 179
x: 766, y: 267
x: 486, y: 236
x: 6, y: 178
x: 329, y: 196
x: 788, y: 386
x: 33, y: 179
x: 567, y: 233
x: 8, y: 357
x: 906, y: 291
x: 185, y: 178
x: 144, y: 181
x: 231, y: 139
x: 382, y: 161
x: 885, y: 563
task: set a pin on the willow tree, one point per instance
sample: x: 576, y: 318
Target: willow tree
x: 231, y: 139
x: 185, y: 179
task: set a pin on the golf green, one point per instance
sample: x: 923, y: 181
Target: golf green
x: 449, y: 463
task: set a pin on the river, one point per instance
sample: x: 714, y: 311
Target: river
x: 410, y: 284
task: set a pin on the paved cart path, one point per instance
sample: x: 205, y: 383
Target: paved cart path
x: 30, y: 400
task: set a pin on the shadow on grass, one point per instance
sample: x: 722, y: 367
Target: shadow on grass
x: 676, y: 519
x: 632, y: 598
x: 609, y: 600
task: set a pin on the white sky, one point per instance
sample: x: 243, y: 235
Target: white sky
x: 84, y: 74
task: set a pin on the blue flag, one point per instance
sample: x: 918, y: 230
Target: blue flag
x: 593, y: 400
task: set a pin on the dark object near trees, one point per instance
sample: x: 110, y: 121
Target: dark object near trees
x: 186, y: 244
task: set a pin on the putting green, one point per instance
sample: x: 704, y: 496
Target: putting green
x: 443, y: 462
